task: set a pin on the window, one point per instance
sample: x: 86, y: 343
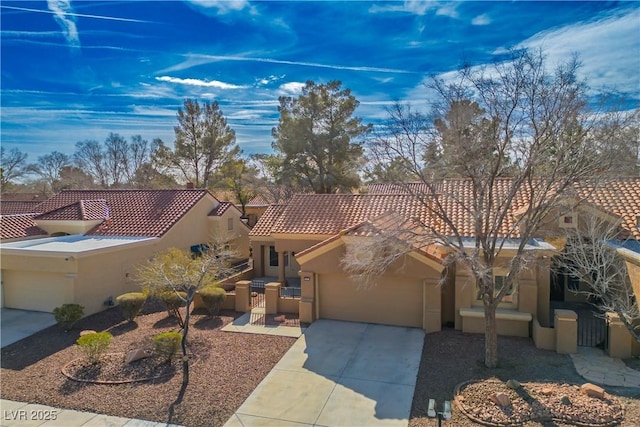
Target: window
x: 498, y: 284
x: 273, y: 256
x: 230, y: 224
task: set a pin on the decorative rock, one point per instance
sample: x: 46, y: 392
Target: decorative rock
x: 565, y: 400
x: 137, y: 354
x: 501, y: 399
x: 87, y: 332
x: 513, y: 384
x: 592, y: 390
x: 547, y: 391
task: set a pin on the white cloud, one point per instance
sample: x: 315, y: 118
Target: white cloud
x: 197, y: 82
x: 223, y: 6
x: 481, y: 20
x: 63, y: 15
x: 195, y: 60
x: 417, y: 7
x: 268, y: 80
x: 292, y: 88
x: 609, y: 49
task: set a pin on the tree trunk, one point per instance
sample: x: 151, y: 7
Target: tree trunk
x: 490, y: 337
x: 185, y: 330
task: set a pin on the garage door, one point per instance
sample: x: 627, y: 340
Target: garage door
x: 395, y: 300
x: 38, y: 291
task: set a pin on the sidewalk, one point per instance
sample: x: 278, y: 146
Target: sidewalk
x: 596, y: 366
x: 29, y: 414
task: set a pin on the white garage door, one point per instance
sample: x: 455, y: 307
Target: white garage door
x: 395, y: 300
x: 38, y: 291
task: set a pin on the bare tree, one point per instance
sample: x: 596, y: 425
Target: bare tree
x: 116, y: 156
x: 591, y: 255
x: 177, y: 271
x: 13, y: 165
x: 529, y: 120
x: 49, y: 167
x: 91, y: 158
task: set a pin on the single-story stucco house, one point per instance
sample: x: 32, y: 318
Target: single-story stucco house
x: 305, y: 240
x: 83, y: 246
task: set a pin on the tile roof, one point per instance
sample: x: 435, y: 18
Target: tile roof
x: 222, y: 208
x: 328, y: 214
x: 144, y: 213
x: 260, y: 200
x: 82, y: 210
x: 331, y: 213
x: 266, y: 222
x: 19, y: 226
x: 620, y: 197
x: 404, y: 188
x: 15, y: 207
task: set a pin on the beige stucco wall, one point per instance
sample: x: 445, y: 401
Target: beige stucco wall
x: 38, y: 281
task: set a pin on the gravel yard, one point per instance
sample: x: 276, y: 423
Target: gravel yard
x: 450, y: 358
x: 228, y: 366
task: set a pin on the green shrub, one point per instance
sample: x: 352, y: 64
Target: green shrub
x: 131, y: 304
x: 212, y: 298
x: 68, y: 314
x: 167, y: 344
x: 174, y: 301
x: 94, y: 345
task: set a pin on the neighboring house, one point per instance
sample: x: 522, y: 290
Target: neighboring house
x: 93, y: 240
x: 310, y: 235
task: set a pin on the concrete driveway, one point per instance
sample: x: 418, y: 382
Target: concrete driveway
x: 18, y: 324
x: 339, y: 374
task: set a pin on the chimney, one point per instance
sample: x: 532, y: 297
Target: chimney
x: 189, y: 185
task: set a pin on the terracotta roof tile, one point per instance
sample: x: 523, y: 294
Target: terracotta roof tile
x: 331, y: 213
x: 19, y: 226
x: 144, y: 213
x: 620, y: 197
x: 15, y: 207
x: 221, y: 208
x: 327, y: 214
x: 266, y: 222
x: 82, y: 210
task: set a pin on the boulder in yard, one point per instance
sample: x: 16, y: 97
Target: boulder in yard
x: 501, y: 399
x: 137, y: 354
x: 592, y: 390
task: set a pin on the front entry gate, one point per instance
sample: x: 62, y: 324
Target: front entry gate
x: 592, y: 329
x: 257, y: 293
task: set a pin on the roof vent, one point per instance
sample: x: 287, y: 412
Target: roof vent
x: 638, y: 220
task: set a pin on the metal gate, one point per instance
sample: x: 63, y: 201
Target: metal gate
x: 592, y: 330
x: 592, y: 327
x: 257, y: 293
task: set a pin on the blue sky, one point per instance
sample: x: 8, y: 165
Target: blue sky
x: 75, y: 70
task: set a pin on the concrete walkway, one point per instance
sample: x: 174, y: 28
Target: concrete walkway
x: 21, y: 414
x: 249, y: 323
x: 18, y: 324
x: 596, y: 366
x: 339, y: 374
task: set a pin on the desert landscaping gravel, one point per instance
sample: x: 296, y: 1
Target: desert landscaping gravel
x: 450, y: 358
x: 228, y: 366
